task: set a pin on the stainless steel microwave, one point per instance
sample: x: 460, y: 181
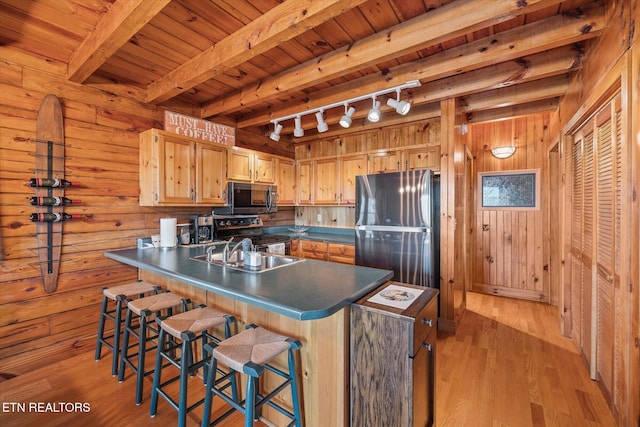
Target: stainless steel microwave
x: 245, y: 198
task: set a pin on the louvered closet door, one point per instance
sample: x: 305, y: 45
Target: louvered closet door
x: 609, y: 183
x: 582, y: 218
x: 576, y: 239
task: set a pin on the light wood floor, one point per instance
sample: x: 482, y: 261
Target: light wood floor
x: 506, y: 366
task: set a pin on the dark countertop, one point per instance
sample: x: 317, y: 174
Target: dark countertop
x: 306, y: 290
x: 324, y: 234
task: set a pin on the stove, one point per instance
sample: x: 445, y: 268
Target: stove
x: 241, y: 226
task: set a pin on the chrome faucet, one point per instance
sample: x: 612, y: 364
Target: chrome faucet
x: 246, y: 244
x: 210, y: 250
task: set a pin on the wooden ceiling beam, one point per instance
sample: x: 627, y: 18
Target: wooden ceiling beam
x: 513, y: 111
x: 444, y: 23
x: 278, y: 25
x: 557, y: 31
x: 551, y: 87
x: 123, y: 20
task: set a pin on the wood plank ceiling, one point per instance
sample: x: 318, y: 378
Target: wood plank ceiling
x: 247, y: 62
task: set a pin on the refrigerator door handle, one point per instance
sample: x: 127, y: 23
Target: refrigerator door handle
x: 392, y: 228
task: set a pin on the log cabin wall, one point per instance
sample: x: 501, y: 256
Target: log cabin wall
x: 509, y: 256
x: 101, y: 133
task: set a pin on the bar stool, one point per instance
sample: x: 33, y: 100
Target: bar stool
x: 118, y: 294
x: 186, y: 327
x: 248, y: 352
x: 145, y: 308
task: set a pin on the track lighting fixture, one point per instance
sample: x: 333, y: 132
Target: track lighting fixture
x: 401, y: 107
x: 298, y: 131
x: 345, y: 121
x: 275, y: 135
x: 374, y: 113
x: 322, y: 125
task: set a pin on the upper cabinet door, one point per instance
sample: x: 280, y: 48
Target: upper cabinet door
x: 211, y: 169
x: 286, y: 182
x: 240, y: 165
x: 423, y: 158
x: 176, y: 170
x: 326, y: 182
x: 350, y: 167
x: 264, y: 167
x: 304, y: 182
x: 385, y: 161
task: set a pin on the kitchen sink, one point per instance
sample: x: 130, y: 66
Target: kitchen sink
x: 236, y: 261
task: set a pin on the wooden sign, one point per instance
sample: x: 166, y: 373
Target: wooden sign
x: 193, y: 127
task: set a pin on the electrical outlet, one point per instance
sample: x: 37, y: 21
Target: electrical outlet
x: 319, y: 217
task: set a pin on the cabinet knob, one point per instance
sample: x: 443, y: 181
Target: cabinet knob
x: 427, y: 322
x: 429, y: 347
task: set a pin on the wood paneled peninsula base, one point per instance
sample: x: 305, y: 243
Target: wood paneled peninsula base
x: 308, y: 301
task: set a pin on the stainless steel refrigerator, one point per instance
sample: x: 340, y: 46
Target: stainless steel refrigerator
x: 394, y: 224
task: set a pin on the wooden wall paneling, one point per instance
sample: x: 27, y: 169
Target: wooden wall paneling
x: 513, y: 254
x: 630, y: 312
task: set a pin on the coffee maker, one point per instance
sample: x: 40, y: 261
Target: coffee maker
x: 201, y: 228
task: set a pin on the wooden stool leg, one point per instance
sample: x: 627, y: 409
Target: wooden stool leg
x: 294, y: 389
x: 208, y: 397
x: 116, y: 337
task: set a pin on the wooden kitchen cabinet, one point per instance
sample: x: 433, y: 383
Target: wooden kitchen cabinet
x: 325, y: 178
x: 422, y: 158
x: 304, y: 182
x: 179, y: 171
x: 350, y: 167
x: 286, y: 182
x: 393, y: 361
x: 251, y: 166
x: 314, y: 249
x: 341, y: 252
x: 385, y: 161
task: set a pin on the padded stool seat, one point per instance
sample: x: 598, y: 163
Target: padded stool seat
x: 117, y: 294
x: 145, y: 308
x: 249, y: 352
x: 186, y: 327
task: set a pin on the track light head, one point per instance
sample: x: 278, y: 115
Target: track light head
x: 275, y: 135
x: 401, y: 107
x: 345, y: 121
x: 374, y: 113
x: 322, y: 125
x: 297, y: 130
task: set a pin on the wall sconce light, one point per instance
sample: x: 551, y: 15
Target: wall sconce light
x: 275, y: 135
x: 322, y: 125
x: 345, y: 121
x: 503, y: 152
x: 374, y: 113
x: 401, y: 107
x: 298, y: 131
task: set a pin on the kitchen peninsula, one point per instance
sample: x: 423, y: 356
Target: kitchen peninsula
x: 308, y: 301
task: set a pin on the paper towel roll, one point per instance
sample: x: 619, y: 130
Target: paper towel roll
x: 168, y: 232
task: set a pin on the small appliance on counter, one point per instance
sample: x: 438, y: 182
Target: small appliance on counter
x: 202, y: 229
